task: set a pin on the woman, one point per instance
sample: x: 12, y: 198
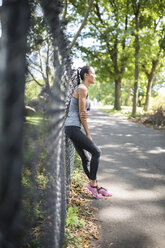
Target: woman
x: 77, y: 116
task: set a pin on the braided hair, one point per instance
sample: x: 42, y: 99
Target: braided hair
x: 78, y: 75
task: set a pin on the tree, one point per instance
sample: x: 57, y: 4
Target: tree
x: 152, y: 50
x: 82, y: 24
x: 120, y: 33
x: 108, y: 24
x: 150, y: 76
x: 40, y: 49
x: 41, y: 63
x: 136, y: 5
x: 12, y: 78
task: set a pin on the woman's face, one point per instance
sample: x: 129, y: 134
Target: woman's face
x: 91, y: 76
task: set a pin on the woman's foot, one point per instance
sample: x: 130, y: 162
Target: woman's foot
x: 103, y: 192
x: 94, y: 191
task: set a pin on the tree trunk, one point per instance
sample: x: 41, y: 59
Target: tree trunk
x: 15, y: 17
x: 65, y: 9
x: 150, y: 77
x: 113, y: 54
x: 117, y: 104
x: 135, y: 97
x: 82, y: 24
x: 148, y: 94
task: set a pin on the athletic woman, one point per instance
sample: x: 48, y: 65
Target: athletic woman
x: 77, y: 117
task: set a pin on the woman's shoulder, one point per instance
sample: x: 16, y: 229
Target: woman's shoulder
x: 82, y: 87
x: 82, y: 90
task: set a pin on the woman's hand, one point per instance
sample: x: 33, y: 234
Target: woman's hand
x: 84, y: 115
x: 88, y: 135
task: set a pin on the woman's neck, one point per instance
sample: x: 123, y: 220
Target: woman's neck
x: 85, y: 83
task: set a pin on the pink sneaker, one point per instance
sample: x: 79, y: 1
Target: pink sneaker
x: 104, y: 192
x: 94, y: 191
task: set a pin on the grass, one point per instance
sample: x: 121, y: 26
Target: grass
x: 34, y: 119
x: 154, y: 118
x: 125, y: 110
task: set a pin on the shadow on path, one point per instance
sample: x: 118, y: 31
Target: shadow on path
x: 132, y: 167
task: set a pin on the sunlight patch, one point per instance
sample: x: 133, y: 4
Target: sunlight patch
x: 157, y: 150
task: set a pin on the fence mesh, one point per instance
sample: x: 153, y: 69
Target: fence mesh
x: 41, y: 159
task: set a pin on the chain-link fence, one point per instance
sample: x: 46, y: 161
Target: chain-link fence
x: 41, y: 158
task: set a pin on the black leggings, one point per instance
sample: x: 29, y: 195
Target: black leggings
x: 83, y: 144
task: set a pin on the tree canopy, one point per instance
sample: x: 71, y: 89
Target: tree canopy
x: 123, y: 40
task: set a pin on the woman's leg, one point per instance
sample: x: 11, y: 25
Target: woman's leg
x: 82, y: 142
x: 86, y: 163
x: 84, y: 158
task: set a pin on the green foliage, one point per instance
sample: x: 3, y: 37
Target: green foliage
x: 71, y: 240
x: 35, y: 119
x: 32, y: 89
x: 102, y: 91
x: 108, y: 45
x: 38, y: 32
x: 72, y: 219
x: 42, y: 179
x: 39, y: 56
x: 72, y: 224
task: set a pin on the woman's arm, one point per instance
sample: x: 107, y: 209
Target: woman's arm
x: 82, y: 103
x: 84, y: 114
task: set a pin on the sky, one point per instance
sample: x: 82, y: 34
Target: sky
x: 78, y: 62
x: 162, y: 91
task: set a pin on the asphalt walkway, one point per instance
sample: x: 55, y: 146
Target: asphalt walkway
x: 132, y: 167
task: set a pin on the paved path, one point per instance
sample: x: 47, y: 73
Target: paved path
x: 132, y: 167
